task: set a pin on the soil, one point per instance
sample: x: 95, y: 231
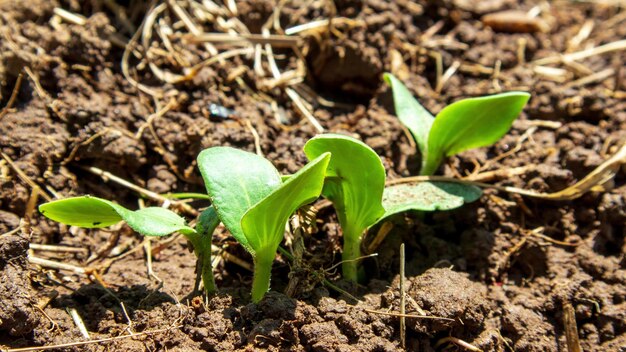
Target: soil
x: 483, y: 270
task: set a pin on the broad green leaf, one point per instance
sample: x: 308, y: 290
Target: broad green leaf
x: 355, y: 180
x: 264, y: 223
x: 92, y: 212
x: 471, y: 123
x: 411, y: 113
x: 236, y: 180
x: 427, y: 196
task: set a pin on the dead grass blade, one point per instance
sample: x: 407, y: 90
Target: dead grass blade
x: 90, y: 342
x: 571, y: 330
x: 594, y: 181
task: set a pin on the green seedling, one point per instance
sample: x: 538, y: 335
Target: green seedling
x: 355, y: 181
x: 254, y: 204
x: 465, y: 124
x: 93, y: 212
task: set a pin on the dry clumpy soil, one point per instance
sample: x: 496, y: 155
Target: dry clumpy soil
x: 498, y: 284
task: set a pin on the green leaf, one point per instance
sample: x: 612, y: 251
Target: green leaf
x: 92, y: 212
x: 264, y: 223
x: 427, y: 196
x: 236, y: 180
x: 471, y: 123
x: 411, y: 113
x: 355, y: 179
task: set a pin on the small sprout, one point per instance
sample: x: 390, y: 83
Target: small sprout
x: 253, y: 203
x: 355, y: 180
x: 264, y: 223
x: 236, y: 180
x: 93, y: 212
x: 465, y: 124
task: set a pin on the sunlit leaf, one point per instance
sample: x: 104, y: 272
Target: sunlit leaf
x: 466, y: 124
x: 427, y: 196
x: 411, y: 113
x: 471, y: 123
x: 93, y: 212
x: 264, y: 223
x: 236, y: 180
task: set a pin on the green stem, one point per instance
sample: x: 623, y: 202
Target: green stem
x: 202, y: 248
x: 262, y: 274
x: 430, y: 164
x: 351, y: 251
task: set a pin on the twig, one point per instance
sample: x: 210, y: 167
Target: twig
x: 278, y: 41
x: 571, y: 330
x: 553, y: 73
x: 88, y: 141
x: 12, y: 232
x: 496, y: 75
x: 120, y: 13
x: 380, y: 236
x: 598, y: 177
x: 52, y: 248
x: 78, y: 320
x: 70, y: 17
x: 128, y: 48
x: 56, y: 265
x: 23, y: 176
x: 83, y: 343
x: 255, y: 135
x: 232, y: 258
x: 592, y: 78
x: 447, y: 75
x: 53, y: 324
x: 416, y: 316
x: 316, y: 25
x: 458, y: 342
x: 521, y: 50
x: 50, y: 102
x: 303, y: 109
x: 438, y: 66
x: 352, y: 260
x: 500, y: 174
x: 603, y: 49
x: 129, y: 328
x: 582, y: 35
x: 13, y: 97
x: 537, y: 232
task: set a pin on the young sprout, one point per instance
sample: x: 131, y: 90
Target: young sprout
x: 355, y: 181
x: 93, y: 212
x: 465, y: 124
x: 252, y: 202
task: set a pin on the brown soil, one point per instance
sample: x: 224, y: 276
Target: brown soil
x: 500, y: 286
